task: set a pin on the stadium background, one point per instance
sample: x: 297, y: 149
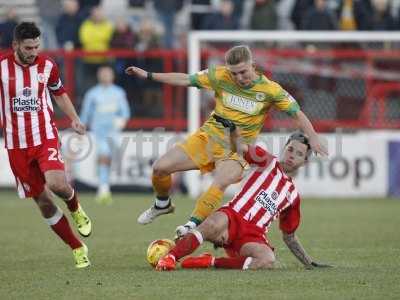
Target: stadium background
x: 350, y: 91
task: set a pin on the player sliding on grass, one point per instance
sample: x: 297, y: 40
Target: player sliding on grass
x: 242, y: 95
x: 31, y: 138
x: 239, y: 226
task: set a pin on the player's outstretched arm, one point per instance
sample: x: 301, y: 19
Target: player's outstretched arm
x: 305, y: 125
x: 181, y: 79
x: 294, y: 245
x: 65, y: 104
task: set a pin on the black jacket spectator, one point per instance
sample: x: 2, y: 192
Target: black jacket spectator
x: 224, y: 19
x: 383, y: 21
x: 67, y: 28
x: 319, y: 17
x: 298, y: 11
x: 264, y: 15
x: 7, y: 29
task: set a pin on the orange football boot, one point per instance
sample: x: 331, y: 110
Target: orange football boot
x: 167, y: 263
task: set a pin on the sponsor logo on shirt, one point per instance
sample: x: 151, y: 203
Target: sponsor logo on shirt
x: 242, y: 104
x: 25, y: 102
x: 41, y: 78
x: 267, y: 201
x: 260, y: 96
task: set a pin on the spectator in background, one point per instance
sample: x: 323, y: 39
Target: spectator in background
x: 354, y: 15
x: 87, y: 5
x: 264, y: 15
x: 381, y: 17
x: 298, y: 11
x: 148, y: 36
x: 238, y: 8
x: 95, y: 34
x: 7, y: 28
x: 105, y: 111
x: 67, y: 28
x: 123, y: 36
x: 166, y: 10
x: 49, y: 12
x: 319, y: 17
x: 223, y: 18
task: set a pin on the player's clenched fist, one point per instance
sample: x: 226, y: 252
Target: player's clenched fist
x: 78, y: 126
x: 135, y: 71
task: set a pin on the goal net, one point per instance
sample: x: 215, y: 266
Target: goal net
x: 342, y: 80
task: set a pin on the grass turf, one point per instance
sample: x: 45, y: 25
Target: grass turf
x: 359, y: 237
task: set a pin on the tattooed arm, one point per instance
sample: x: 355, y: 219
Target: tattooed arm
x: 297, y: 249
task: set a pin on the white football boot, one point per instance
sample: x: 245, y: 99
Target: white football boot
x: 182, y: 230
x: 150, y: 214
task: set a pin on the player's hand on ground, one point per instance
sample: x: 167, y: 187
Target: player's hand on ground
x: 135, y: 71
x: 318, y: 265
x: 317, y: 147
x: 225, y: 122
x: 78, y: 127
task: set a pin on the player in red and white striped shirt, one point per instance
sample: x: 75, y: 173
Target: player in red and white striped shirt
x: 239, y: 226
x: 26, y: 112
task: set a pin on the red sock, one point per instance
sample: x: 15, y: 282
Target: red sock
x: 230, y: 262
x: 63, y: 230
x: 186, y: 245
x: 72, y: 202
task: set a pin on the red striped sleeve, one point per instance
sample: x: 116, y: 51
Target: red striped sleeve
x: 54, y: 83
x: 289, y: 219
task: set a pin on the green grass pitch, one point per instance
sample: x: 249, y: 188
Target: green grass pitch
x: 360, y: 237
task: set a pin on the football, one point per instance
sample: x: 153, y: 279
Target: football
x: 158, y: 249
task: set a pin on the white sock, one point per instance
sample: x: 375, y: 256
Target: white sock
x: 162, y: 203
x: 190, y: 224
x: 54, y: 219
x: 247, y: 263
x: 198, y: 235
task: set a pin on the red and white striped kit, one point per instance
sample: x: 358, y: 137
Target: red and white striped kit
x: 267, y: 192
x: 26, y: 109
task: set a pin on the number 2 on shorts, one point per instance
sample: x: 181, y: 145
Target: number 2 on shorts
x: 55, y: 155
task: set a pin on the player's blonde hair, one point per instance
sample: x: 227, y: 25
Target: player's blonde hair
x: 238, y: 54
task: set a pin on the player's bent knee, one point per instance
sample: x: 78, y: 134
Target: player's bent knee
x: 160, y: 168
x: 58, y: 187
x: 210, y: 230
x: 46, y: 206
x: 262, y: 263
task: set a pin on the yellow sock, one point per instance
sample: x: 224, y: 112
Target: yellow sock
x: 206, y: 204
x: 162, y: 185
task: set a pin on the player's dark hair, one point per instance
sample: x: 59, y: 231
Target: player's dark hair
x: 26, y: 30
x: 302, y: 138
